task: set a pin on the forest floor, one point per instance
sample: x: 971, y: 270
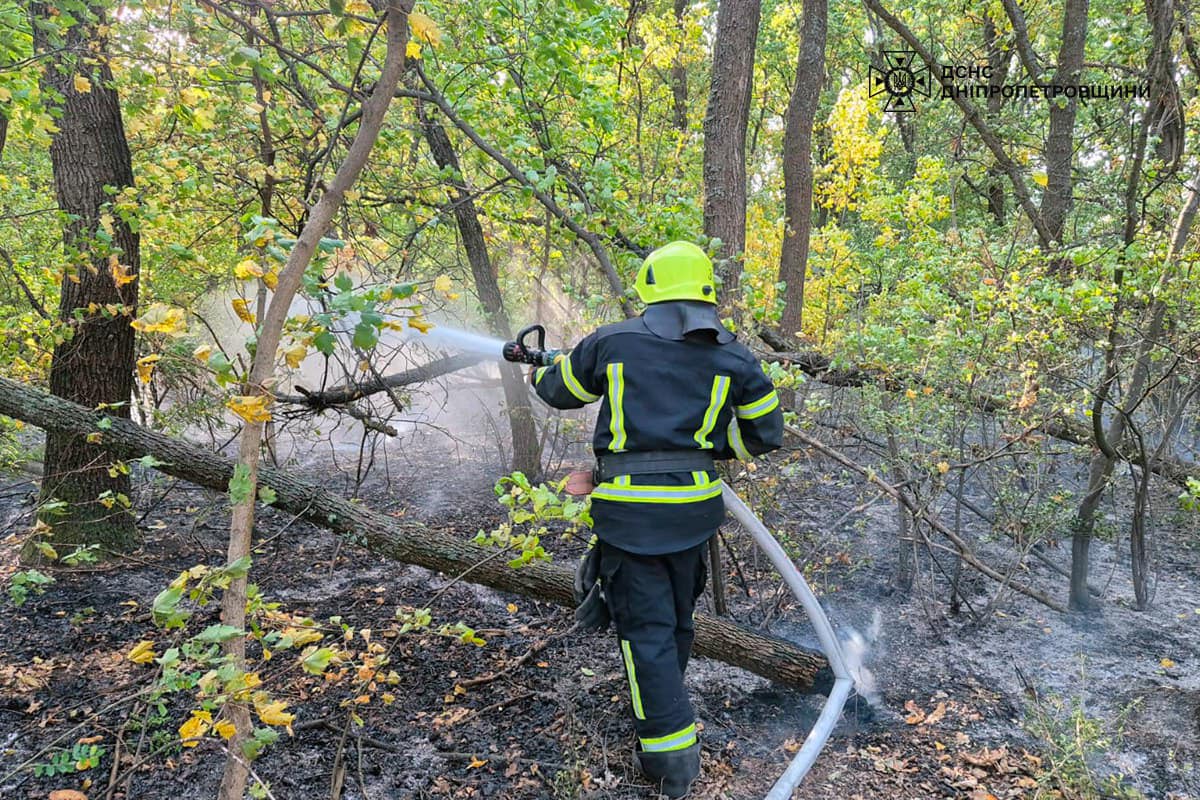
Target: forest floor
x: 1116, y: 693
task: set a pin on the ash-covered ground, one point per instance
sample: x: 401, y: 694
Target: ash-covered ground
x: 961, y: 707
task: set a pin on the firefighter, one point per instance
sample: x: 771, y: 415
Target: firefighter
x: 677, y: 391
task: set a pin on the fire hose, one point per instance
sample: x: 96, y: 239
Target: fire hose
x: 521, y: 351
x: 843, y: 680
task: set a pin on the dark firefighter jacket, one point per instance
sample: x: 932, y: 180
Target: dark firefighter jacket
x: 671, y: 379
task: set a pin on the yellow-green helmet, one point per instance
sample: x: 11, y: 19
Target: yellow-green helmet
x: 676, y: 271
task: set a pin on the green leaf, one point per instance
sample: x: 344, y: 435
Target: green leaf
x: 259, y: 739
x: 239, y: 485
x: 266, y: 495
x: 343, y: 282
x: 165, y: 609
x: 401, y: 291
x: 215, y: 634
x: 239, y: 568
x: 316, y: 662
x: 365, y: 336
x: 325, y: 343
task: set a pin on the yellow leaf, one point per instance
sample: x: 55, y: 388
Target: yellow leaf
x: 1040, y: 179
x: 299, y: 637
x: 120, y: 273
x: 1166, y: 663
x: 161, y: 319
x: 242, y: 309
x: 196, y: 726
x: 442, y: 283
x: 512, y: 608
x: 412, y: 49
x: 252, y: 408
x: 82, y: 84
x: 911, y: 394
x: 388, y: 698
x: 419, y: 323
x: 271, y: 279
x: 476, y: 763
x: 247, y: 269
x: 142, y: 652
x: 943, y: 467
x: 145, y: 366
x: 295, y: 355
x: 225, y: 729
x: 203, y: 352
x: 5, y: 94
x: 273, y: 713
x: 424, y: 28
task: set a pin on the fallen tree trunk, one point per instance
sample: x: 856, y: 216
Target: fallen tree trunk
x: 410, y: 542
x: 820, y: 367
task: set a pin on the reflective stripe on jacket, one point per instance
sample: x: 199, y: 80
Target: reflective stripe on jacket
x: 661, y: 393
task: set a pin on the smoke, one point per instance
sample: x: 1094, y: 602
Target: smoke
x: 856, y: 647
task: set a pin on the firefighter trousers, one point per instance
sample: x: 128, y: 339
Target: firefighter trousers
x: 651, y: 600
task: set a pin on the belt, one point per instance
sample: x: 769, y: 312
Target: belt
x: 610, y: 465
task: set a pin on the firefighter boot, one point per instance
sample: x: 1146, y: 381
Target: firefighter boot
x: 672, y: 771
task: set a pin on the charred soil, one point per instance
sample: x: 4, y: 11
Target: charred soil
x: 961, y: 708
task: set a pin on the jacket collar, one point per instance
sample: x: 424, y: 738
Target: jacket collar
x: 675, y: 319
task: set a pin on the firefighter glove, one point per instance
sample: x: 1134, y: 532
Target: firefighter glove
x: 591, y: 607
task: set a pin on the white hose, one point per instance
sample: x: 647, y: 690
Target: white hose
x: 843, y: 681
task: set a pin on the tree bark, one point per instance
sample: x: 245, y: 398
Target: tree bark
x: 998, y: 58
x: 1060, y: 138
x: 349, y: 392
x: 679, y: 81
x: 725, y: 138
x: 527, y: 448
x: 406, y: 541
x: 797, y: 161
x: 91, y: 160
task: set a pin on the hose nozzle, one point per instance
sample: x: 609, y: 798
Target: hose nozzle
x: 521, y: 352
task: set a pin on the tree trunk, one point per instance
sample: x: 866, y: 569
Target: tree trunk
x: 797, y: 161
x: 90, y: 158
x: 725, y: 138
x: 1060, y: 139
x: 679, y: 81
x: 527, y: 448
x: 262, y: 370
x: 998, y: 58
x: 1108, y: 441
x: 402, y: 540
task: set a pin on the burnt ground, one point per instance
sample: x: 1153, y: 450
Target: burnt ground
x: 949, y: 717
